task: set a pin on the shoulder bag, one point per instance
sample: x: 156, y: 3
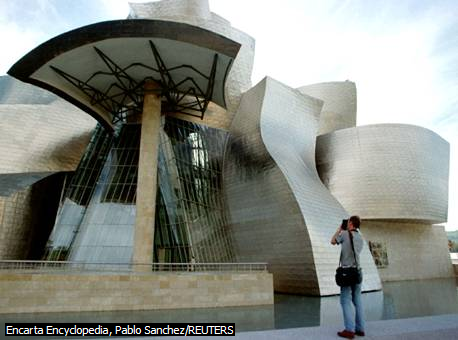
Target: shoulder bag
x: 349, y: 276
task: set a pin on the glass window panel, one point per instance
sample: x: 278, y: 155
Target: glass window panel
x: 196, y: 158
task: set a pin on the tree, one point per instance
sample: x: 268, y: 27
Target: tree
x: 452, y: 246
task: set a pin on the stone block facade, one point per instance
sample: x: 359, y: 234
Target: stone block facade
x: 414, y: 250
x: 62, y: 292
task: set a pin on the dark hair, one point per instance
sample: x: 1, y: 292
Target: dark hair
x: 355, y: 220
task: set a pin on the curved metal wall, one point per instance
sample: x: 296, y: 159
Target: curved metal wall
x: 39, y: 135
x: 16, y: 92
x: 387, y: 171
x: 339, y: 109
x: 280, y: 211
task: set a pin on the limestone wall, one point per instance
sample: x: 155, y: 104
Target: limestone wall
x: 26, y: 293
x: 414, y: 250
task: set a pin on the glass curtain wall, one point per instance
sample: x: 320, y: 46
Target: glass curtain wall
x: 96, y: 219
x: 77, y: 194
x: 106, y: 232
x: 190, y: 215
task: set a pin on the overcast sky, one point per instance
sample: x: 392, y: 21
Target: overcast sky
x: 402, y: 54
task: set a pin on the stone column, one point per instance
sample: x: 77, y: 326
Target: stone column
x: 147, y: 178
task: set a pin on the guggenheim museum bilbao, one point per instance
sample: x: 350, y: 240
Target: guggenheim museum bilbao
x: 143, y: 141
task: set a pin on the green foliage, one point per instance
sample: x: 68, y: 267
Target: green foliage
x: 58, y: 254
x: 453, y: 241
x: 453, y: 247
x: 453, y: 236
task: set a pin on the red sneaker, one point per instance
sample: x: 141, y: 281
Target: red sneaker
x: 346, y: 334
x: 360, y: 333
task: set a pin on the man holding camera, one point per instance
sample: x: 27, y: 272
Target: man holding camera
x: 348, y: 236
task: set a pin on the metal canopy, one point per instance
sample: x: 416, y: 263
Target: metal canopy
x: 102, y: 68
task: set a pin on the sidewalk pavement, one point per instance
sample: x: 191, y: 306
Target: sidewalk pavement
x: 443, y: 327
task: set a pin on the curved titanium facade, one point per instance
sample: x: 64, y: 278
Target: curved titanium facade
x: 269, y: 190
x: 36, y: 144
x: 339, y: 109
x: 280, y: 212
x: 30, y: 147
x: 17, y: 92
x: 387, y: 171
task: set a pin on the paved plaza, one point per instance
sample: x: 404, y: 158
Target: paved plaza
x: 444, y: 327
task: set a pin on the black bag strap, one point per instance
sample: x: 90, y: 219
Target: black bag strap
x: 353, y: 248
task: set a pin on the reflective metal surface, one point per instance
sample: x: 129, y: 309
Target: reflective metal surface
x: 36, y: 138
x: 387, y: 171
x: 339, y: 108
x: 280, y: 212
x: 40, y: 135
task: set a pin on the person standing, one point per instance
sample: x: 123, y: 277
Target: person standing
x: 350, y: 296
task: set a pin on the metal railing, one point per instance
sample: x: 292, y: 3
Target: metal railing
x: 52, y: 266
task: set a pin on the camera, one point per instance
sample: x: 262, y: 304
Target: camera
x: 344, y: 225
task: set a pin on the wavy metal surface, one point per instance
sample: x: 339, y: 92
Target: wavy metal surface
x: 339, y: 109
x: 280, y: 211
x: 387, y: 171
x: 39, y: 135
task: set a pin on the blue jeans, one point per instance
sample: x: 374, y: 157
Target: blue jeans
x: 348, y: 296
